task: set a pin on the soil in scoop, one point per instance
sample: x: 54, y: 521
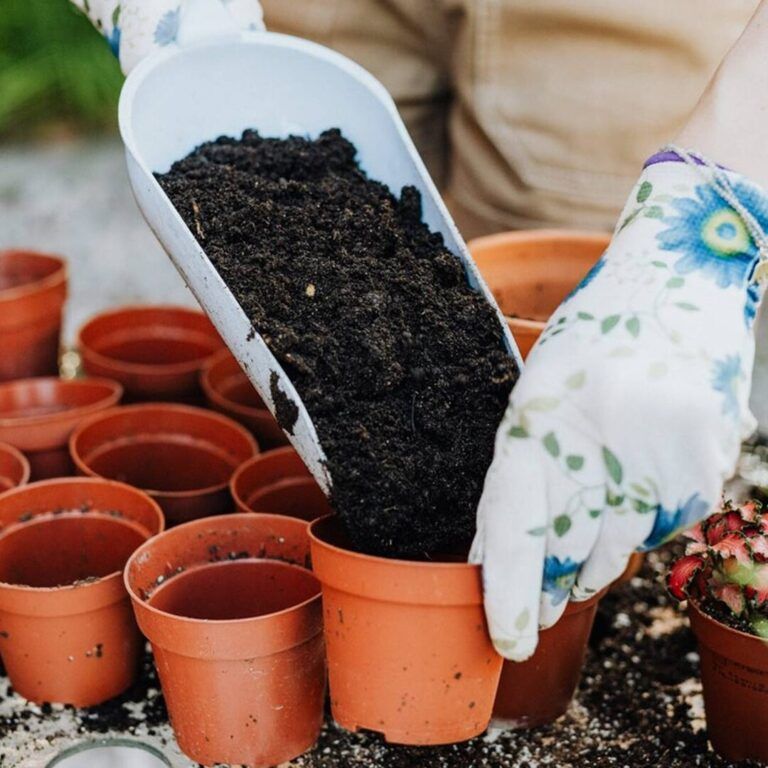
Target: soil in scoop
x: 400, y: 364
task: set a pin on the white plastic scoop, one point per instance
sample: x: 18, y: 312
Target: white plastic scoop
x: 279, y: 85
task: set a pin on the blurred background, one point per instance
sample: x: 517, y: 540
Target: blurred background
x: 63, y: 185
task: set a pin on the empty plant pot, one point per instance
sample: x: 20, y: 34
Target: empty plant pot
x: 67, y: 633
x: 14, y: 468
x: 37, y: 416
x: 228, y: 390
x: 183, y: 457
x: 538, y: 691
x: 279, y: 483
x: 156, y: 353
x: 734, y: 675
x: 408, y: 648
x: 33, y: 289
x: 237, y: 639
x: 530, y: 273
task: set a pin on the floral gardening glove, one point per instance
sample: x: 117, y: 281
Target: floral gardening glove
x: 629, y: 415
x: 136, y: 28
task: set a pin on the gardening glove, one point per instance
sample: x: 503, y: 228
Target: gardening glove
x: 631, y: 410
x: 136, y: 28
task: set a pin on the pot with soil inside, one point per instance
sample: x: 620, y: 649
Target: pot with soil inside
x: 67, y: 633
x: 724, y: 577
x: 155, y: 352
x: 538, y: 691
x: 37, y: 416
x: 408, y: 649
x: 279, y: 483
x: 14, y: 468
x: 237, y: 637
x: 229, y: 391
x: 531, y: 272
x: 183, y: 457
x: 33, y: 289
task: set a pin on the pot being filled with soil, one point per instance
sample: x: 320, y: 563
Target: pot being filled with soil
x: 237, y: 638
x: 408, y: 648
x: 155, y: 352
x: 228, y: 390
x: 37, y: 416
x: 33, y: 289
x: 278, y: 482
x: 67, y: 633
x: 14, y: 468
x: 182, y: 456
x: 538, y: 691
x: 531, y: 272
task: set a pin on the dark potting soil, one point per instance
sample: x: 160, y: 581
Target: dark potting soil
x: 399, y: 363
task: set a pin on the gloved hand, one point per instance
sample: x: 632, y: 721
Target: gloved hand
x: 630, y: 412
x: 136, y: 28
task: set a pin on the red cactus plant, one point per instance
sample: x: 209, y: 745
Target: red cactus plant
x: 726, y: 565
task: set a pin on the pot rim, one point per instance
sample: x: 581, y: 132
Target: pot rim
x: 143, y: 369
x: 58, y: 276
x: 692, y: 606
x: 190, y: 410
x: 26, y: 468
x: 234, y: 481
x: 551, y: 234
x: 218, y: 398
x: 113, y: 388
x: 394, y: 561
x: 187, y: 620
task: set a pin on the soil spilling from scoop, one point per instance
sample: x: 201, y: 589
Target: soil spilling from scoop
x: 400, y: 364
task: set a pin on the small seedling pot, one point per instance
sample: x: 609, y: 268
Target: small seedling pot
x: 33, y: 289
x: 734, y: 675
x: 229, y: 391
x: 237, y: 638
x: 183, y: 457
x: 538, y: 691
x: 278, y: 482
x: 155, y: 352
x: 67, y: 632
x: 530, y: 273
x: 37, y: 416
x: 14, y: 468
x: 408, y: 648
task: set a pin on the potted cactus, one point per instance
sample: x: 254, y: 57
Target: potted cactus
x: 724, y: 578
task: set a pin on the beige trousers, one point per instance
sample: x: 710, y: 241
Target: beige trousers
x: 530, y: 112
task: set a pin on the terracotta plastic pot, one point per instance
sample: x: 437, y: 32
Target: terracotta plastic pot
x: 734, y: 675
x: 538, y: 691
x: 237, y: 639
x: 634, y: 564
x: 14, y: 468
x: 408, y: 648
x: 278, y: 482
x: 33, y: 289
x: 37, y: 416
x: 530, y: 273
x: 156, y: 353
x: 183, y: 457
x: 67, y: 633
x: 228, y: 390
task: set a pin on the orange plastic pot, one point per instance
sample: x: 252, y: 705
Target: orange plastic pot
x: 237, y: 639
x: 14, y: 468
x: 278, y: 482
x: 33, y: 289
x: 408, y: 648
x: 228, y: 390
x: 734, y: 676
x: 67, y: 633
x: 182, y: 456
x: 530, y: 273
x: 155, y: 352
x: 37, y: 416
x: 634, y: 564
x: 538, y: 691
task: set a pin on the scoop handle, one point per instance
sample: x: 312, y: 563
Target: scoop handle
x: 205, y: 20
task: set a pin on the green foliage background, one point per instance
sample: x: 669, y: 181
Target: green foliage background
x: 55, y: 69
